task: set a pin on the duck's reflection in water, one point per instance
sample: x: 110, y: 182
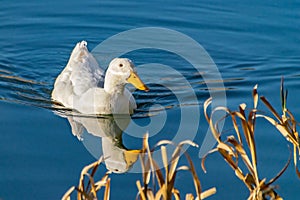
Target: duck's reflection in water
x: 118, y: 158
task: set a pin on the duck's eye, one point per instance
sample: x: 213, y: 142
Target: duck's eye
x: 120, y: 65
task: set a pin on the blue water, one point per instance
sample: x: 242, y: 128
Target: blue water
x: 250, y: 42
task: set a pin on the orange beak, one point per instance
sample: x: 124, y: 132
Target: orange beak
x: 135, y: 80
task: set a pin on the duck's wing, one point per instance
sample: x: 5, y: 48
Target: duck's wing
x: 94, y: 101
x: 81, y: 73
x: 86, y: 72
x: 97, y: 101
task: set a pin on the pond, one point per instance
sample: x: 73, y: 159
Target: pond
x: 240, y: 45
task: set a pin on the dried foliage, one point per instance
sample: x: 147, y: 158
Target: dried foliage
x: 166, y: 176
x: 88, y: 189
x: 241, y: 146
x: 286, y: 124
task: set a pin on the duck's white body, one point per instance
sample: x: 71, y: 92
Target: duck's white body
x: 82, y: 86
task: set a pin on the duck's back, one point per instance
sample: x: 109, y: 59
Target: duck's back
x: 81, y: 73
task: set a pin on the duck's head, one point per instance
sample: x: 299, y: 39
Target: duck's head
x: 124, y: 71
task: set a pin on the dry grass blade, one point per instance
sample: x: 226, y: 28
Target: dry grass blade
x: 189, y: 197
x: 283, y: 95
x: 158, y: 174
x: 235, y: 125
x: 249, y: 135
x: 205, y: 106
x: 91, y: 184
x: 241, y: 151
x: 232, y: 164
x: 208, y: 193
x: 107, y: 190
x: 195, y: 176
x: 282, y: 129
x: 248, y: 129
x: 176, y: 155
x: 270, y: 107
x: 146, y: 169
x: 140, y: 190
x: 147, y: 165
x: 213, y: 127
x: 165, y: 162
x: 255, y: 96
x: 176, y: 194
x: 102, y: 182
x: 68, y: 193
x: 174, y: 162
x: 204, y: 158
x: 165, y: 189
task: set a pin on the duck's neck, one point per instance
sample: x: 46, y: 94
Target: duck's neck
x: 113, y: 85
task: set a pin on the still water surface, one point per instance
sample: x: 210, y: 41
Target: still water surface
x: 254, y: 42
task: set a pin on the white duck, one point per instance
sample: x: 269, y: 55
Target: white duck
x: 82, y: 86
